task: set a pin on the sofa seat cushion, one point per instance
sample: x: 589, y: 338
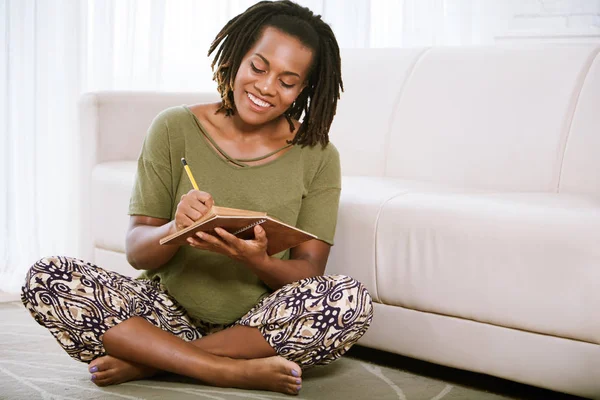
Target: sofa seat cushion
x: 514, y: 260
x: 361, y: 201
x: 111, y: 189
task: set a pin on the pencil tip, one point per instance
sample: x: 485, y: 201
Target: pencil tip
x: 183, y: 161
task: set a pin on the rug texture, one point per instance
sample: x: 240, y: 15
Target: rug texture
x: 33, y: 366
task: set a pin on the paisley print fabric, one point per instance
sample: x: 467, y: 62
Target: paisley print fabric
x: 78, y: 302
x: 313, y: 321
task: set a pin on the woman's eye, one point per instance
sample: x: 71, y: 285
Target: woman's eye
x: 286, y: 85
x: 255, y: 69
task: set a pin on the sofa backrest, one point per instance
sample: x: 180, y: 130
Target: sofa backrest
x: 516, y: 119
x: 117, y: 122
x: 373, y: 81
x: 477, y: 117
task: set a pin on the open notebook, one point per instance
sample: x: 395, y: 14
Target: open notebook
x: 240, y: 223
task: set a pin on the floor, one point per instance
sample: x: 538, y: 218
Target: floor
x: 7, y: 297
x: 389, y: 375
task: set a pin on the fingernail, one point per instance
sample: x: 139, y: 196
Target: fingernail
x: 294, y: 373
x: 94, y: 369
x: 93, y: 377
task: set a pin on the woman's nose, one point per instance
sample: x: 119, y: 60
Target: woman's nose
x: 266, y: 86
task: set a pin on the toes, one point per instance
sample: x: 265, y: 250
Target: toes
x: 93, y: 367
x: 98, y: 364
x: 96, y: 381
x: 293, y: 389
x: 295, y: 369
x: 288, y: 367
x: 102, y: 382
x: 105, y: 378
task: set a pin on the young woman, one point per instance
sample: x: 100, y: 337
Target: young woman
x: 220, y: 309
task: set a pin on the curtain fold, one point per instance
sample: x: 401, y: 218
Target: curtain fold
x: 54, y: 50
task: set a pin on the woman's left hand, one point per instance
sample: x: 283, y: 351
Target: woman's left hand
x: 249, y: 251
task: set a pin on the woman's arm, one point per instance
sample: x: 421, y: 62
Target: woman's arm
x: 306, y: 260
x: 144, y: 233
x: 142, y: 243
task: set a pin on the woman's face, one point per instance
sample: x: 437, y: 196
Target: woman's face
x: 271, y: 75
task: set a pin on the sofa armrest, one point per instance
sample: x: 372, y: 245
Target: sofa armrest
x: 112, y: 127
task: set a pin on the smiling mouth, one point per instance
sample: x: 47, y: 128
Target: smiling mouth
x: 258, y: 102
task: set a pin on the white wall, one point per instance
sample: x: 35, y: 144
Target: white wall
x: 414, y: 23
x: 550, y: 21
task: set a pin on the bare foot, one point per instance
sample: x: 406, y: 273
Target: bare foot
x: 273, y: 373
x: 108, y: 370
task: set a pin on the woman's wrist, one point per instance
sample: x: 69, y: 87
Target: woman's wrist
x: 260, y: 262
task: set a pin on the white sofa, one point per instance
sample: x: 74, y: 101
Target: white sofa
x: 470, y: 203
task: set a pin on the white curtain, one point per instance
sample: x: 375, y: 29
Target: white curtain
x: 54, y: 50
x: 39, y: 84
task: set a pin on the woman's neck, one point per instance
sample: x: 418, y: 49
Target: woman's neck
x: 236, y: 129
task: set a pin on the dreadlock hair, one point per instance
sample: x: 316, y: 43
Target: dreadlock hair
x: 318, y: 100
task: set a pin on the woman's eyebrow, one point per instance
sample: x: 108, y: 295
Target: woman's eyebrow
x: 268, y: 64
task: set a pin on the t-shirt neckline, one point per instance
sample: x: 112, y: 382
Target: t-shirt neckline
x: 226, y: 158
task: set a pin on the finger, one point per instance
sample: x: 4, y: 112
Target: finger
x: 203, y: 197
x: 186, y: 216
x: 198, y: 243
x: 260, y: 235
x: 207, y: 241
x: 211, y: 240
x: 227, y: 237
x: 194, y: 242
x: 196, y: 201
x: 190, y: 207
x: 182, y: 220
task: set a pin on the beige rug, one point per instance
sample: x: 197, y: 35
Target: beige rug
x: 33, y: 366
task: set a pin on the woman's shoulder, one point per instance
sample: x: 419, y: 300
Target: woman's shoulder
x: 204, y: 112
x: 320, y: 152
x: 183, y: 113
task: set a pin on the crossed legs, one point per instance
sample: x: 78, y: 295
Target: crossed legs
x: 235, y: 357
x: 128, y: 329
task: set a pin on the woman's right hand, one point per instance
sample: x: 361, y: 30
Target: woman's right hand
x: 192, y: 206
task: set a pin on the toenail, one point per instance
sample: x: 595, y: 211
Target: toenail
x: 298, y: 381
x: 295, y: 373
x: 93, y: 377
x: 94, y: 369
x: 298, y: 388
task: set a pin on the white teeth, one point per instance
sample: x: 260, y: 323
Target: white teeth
x: 258, y: 101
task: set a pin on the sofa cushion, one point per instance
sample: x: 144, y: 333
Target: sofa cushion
x: 111, y: 189
x: 361, y: 201
x: 487, y: 118
x: 515, y: 260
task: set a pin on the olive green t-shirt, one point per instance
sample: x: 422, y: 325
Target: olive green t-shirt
x: 301, y: 188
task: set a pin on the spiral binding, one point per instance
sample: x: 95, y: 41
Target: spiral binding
x: 252, y: 225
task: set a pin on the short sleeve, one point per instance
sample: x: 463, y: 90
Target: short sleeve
x: 319, y: 209
x: 152, y: 193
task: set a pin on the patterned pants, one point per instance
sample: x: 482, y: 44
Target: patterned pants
x: 311, y: 322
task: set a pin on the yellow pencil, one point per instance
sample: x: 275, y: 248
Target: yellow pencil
x: 189, y: 173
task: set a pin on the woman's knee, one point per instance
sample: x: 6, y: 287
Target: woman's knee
x: 42, y: 271
x: 358, y: 304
